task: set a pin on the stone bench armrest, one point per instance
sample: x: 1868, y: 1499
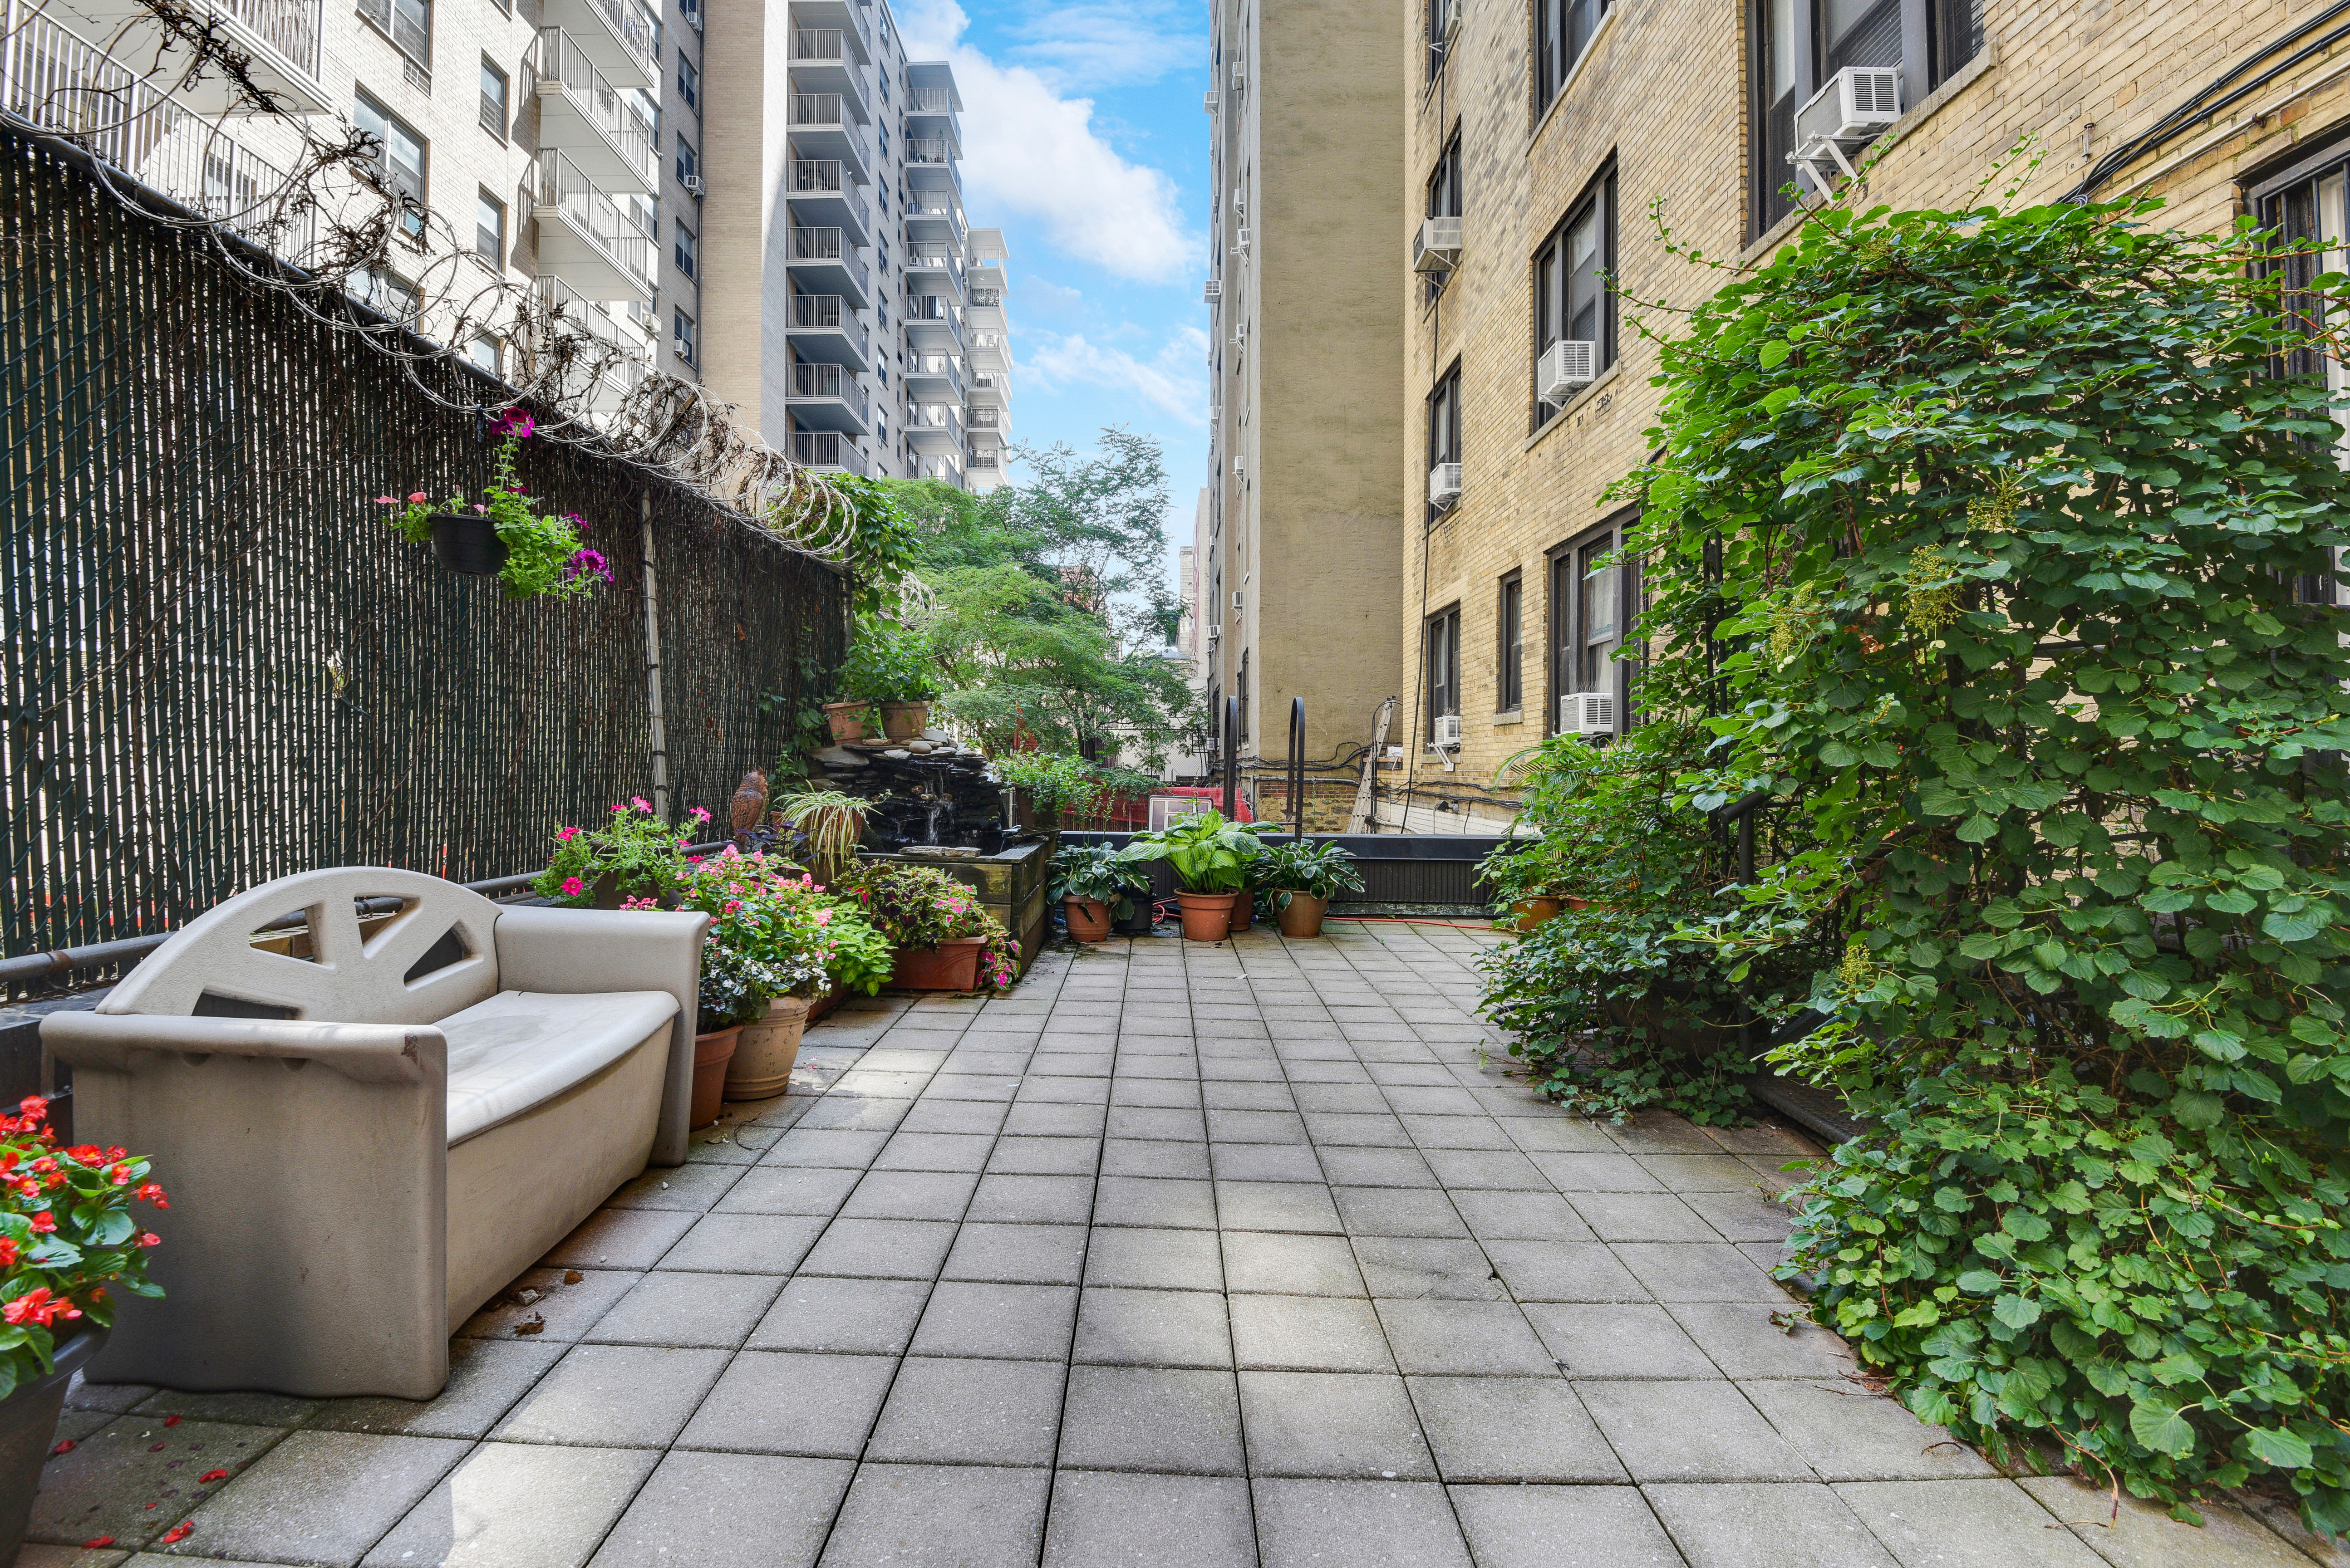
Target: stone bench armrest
x: 363, y: 1052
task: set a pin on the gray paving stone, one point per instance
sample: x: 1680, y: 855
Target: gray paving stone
x: 1400, y: 1167
x: 1009, y: 1062
x: 849, y: 1149
x: 485, y: 1377
x: 105, y: 1485
x: 1151, y: 1419
x: 517, y: 1505
x: 252, y: 1409
x: 910, y: 1195
x: 790, y: 1190
x: 1565, y: 1271
x: 1765, y: 1526
x: 1255, y: 1126
x: 1281, y: 1265
x: 1307, y: 1334
x: 1340, y: 1425
x: 1018, y: 1254
x: 1420, y: 1266
x: 1486, y: 1169
x: 943, y: 1110
x: 1153, y: 1328
x: 1289, y: 1205
x: 1155, y: 1202
x: 614, y: 1396
x: 1661, y: 1132
x: 320, y: 1496
x: 1034, y: 1199
x: 989, y: 1092
x: 935, y: 1151
x: 882, y: 1249
x: 977, y: 1318
x: 1964, y: 1524
x: 1109, y: 1520
x: 1356, y: 1525
x: 1433, y: 1132
x: 1397, y: 1211
x: 940, y: 1516
x: 971, y: 1412
x: 1849, y: 1434
x: 1512, y: 1429
x: 786, y: 1402
x: 1046, y: 1156
x: 1264, y: 1162
x: 870, y: 1317
x: 2142, y: 1534
x: 1621, y: 1340
x: 1580, y: 1172
x: 1155, y: 1260
x: 1691, y: 1173
x: 1147, y: 1158
x: 1157, y: 1094
x: 1354, y: 1097
x: 679, y: 1308
x: 1171, y: 1126
x: 1757, y: 1339
x: 1456, y: 1336
x: 693, y: 1188
x: 1699, y: 1271
x: 1273, y: 1094
x: 1054, y: 1121
x: 1566, y: 1527
x: 1667, y: 1431
x: 1741, y: 1216
x: 1642, y: 1217
x: 849, y: 1114
x: 744, y: 1244
x: 620, y: 1239
x: 116, y: 1398
x: 729, y: 1511
x: 1507, y: 1216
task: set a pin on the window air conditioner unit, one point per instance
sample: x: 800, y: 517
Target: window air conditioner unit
x: 1240, y: 78
x: 1240, y: 199
x: 1436, y: 247
x: 1448, y: 730
x: 1587, y: 713
x: 1855, y: 107
x: 1451, y: 16
x: 1444, y: 485
x: 1208, y: 102
x: 693, y: 185
x: 1214, y: 290
x: 1216, y: 631
x: 1567, y: 366
x: 1236, y: 601
x: 1243, y: 244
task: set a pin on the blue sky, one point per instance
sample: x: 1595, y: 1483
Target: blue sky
x: 1084, y: 141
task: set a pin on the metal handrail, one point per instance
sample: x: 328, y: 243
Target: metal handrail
x: 559, y: 59
x: 817, y: 108
x: 1297, y: 766
x: 565, y: 187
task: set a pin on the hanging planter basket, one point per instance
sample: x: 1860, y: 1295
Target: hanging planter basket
x: 467, y: 542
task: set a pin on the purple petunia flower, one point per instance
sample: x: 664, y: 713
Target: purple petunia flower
x: 515, y: 422
x: 590, y: 562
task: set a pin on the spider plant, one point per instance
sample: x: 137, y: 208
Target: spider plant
x: 832, y: 823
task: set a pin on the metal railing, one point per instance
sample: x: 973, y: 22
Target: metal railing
x: 987, y: 460
x: 988, y: 296
x: 941, y: 365
x: 829, y: 382
x: 930, y: 100
x: 409, y: 24
x: 818, y: 174
x: 818, y: 43
x: 828, y: 313
x: 564, y: 186
x: 827, y: 246
x: 945, y: 417
x: 629, y: 25
x: 558, y: 58
x: 929, y: 150
x: 995, y: 383
x: 985, y: 419
x: 817, y: 108
x: 825, y: 448
x: 940, y: 467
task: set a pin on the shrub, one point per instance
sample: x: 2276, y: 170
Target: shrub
x: 918, y: 906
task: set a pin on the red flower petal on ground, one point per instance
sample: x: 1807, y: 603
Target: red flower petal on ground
x: 210, y: 1476
x: 65, y: 1446
x: 96, y: 1542
x: 171, y: 1420
x: 179, y: 1531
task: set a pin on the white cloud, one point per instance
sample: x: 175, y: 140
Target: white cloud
x: 1174, y: 380
x: 1029, y: 151
x: 1100, y: 43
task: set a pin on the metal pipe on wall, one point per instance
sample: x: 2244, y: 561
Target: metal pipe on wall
x: 1297, y: 768
x: 1231, y: 756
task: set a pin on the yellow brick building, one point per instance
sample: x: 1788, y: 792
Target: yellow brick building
x: 1556, y: 133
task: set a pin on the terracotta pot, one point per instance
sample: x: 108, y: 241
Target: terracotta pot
x: 1302, y: 915
x: 1532, y: 912
x: 1206, y: 917
x: 952, y: 965
x: 904, y: 721
x: 846, y: 718
x: 712, y: 1053
x: 28, y: 1425
x: 1243, y: 910
x: 763, y: 1061
x: 1089, y: 919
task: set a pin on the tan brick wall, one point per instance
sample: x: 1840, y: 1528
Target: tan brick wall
x: 1662, y: 90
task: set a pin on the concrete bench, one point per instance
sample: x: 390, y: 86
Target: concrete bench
x: 365, y: 1143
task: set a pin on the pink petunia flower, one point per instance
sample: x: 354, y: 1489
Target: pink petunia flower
x: 640, y: 803
x: 567, y: 833
x: 417, y: 499
x: 573, y: 887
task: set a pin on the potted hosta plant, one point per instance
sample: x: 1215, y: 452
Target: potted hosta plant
x: 1211, y: 860
x: 1303, y: 878
x: 68, y: 1236
x: 533, y: 553
x: 944, y: 940
x: 890, y: 666
x: 1095, y: 888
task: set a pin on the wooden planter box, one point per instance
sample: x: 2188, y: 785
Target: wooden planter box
x: 1010, y: 886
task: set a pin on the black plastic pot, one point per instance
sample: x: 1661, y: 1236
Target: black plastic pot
x: 28, y: 1425
x: 467, y: 542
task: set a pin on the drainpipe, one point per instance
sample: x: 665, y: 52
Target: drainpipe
x: 1231, y: 756
x: 1297, y: 767
x: 653, y: 662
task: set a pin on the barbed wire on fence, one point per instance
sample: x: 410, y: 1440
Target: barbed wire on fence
x: 336, y: 227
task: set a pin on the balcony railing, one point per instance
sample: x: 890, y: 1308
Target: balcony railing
x: 938, y: 417
x: 289, y: 27
x: 818, y: 45
x: 559, y: 59
x: 824, y: 449
x: 828, y: 313
x: 929, y: 150
x: 979, y: 295
x: 636, y: 36
x: 565, y: 187
x: 984, y: 459
x: 985, y: 419
x: 817, y: 108
x: 569, y: 310
x: 817, y: 174
x: 928, y: 100
x: 829, y: 382
x: 940, y: 365
x: 932, y: 307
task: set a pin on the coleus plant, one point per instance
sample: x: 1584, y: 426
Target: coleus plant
x: 67, y: 1235
x: 544, y: 558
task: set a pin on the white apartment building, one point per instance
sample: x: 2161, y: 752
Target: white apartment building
x: 809, y: 260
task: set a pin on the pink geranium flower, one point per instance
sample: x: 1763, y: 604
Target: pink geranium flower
x: 567, y: 833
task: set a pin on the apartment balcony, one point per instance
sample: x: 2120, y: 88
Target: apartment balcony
x: 982, y: 472
x: 934, y: 215
x: 933, y: 272
x: 614, y: 35
x: 848, y: 16
x: 990, y: 352
x: 823, y: 261
x: 946, y: 467
x: 934, y: 379
x: 279, y: 40
x: 826, y: 451
x: 933, y: 325
x: 823, y: 125
x: 936, y: 427
x: 931, y: 111
x: 823, y: 328
x: 989, y: 389
x: 604, y: 364
x: 585, y: 113
x: 985, y: 301
x: 827, y: 398
x: 824, y: 61
x: 988, y: 424
x: 587, y: 238
x: 823, y: 197
x: 937, y: 152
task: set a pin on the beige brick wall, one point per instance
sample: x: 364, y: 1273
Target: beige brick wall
x: 1662, y: 90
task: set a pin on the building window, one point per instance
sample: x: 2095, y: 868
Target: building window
x: 1588, y: 604
x: 407, y: 23
x: 484, y: 352
x: 1443, y: 427
x: 1796, y: 45
x: 2307, y: 205
x: 1509, y: 627
x: 688, y: 253
x: 688, y: 82
x: 494, y: 99
x: 1573, y: 300
x: 685, y: 340
x: 400, y: 159
x: 1443, y: 639
x: 1444, y: 185
x: 689, y: 162
x: 1563, y: 30
x: 1443, y: 17
x: 489, y: 228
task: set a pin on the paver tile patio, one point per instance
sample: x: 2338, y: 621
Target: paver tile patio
x: 1183, y: 1256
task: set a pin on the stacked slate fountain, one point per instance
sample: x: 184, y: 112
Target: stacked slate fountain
x: 927, y: 791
